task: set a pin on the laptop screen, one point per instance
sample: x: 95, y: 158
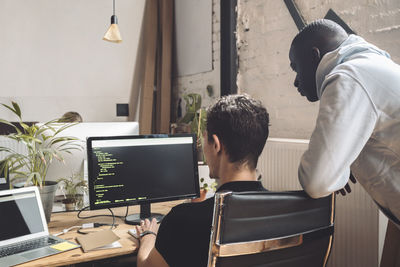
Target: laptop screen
x: 20, y: 215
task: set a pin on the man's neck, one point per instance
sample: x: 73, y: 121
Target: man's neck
x: 233, y: 172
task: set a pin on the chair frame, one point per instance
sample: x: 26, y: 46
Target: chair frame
x: 216, y: 249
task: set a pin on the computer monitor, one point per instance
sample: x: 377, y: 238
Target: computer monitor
x: 142, y: 169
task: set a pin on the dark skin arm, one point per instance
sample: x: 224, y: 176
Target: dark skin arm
x: 347, y: 188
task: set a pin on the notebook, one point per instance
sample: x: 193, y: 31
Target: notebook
x: 24, y: 235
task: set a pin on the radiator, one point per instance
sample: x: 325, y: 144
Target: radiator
x: 15, y: 146
x: 18, y: 147
x: 356, y: 219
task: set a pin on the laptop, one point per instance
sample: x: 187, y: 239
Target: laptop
x: 24, y: 235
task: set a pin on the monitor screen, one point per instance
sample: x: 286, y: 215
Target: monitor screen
x: 140, y: 169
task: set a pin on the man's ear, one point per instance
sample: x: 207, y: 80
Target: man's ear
x: 217, y: 144
x: 316, y: 54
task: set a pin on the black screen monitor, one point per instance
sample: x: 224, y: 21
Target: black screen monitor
x: 141, y: 169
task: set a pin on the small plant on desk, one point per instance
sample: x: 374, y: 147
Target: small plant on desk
x: 204, y: 188
x: 73, y: 189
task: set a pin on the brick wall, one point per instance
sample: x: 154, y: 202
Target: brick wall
x: 265, y: 31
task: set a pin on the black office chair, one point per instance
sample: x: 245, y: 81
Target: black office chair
x: 274, y: 229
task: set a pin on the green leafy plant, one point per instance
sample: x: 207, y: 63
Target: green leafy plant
x: 206, y: 186
x: 42, y: 144
x: 73, y: 188
x: 195, y: 116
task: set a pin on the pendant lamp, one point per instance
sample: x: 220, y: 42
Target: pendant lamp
x: 113, y: 34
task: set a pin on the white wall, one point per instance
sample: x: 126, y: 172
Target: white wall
x: 53, y: 58
x: 197, y: 83
x: 193, y: 26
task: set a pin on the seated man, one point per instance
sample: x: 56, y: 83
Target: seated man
x: 237, y: 129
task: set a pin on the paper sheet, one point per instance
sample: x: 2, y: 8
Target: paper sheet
x: 115, y: 244
x: 97, y: 239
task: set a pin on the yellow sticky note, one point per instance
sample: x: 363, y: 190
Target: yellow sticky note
x: 64, y: 246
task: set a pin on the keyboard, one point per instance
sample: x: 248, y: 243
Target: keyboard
x: 27, y: 245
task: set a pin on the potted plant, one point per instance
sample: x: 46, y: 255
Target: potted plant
x: 196, y: 119
x: 204, y: 189
x: 42, y: 147
x: 73, y: 189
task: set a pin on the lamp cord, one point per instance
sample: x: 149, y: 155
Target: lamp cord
x: 113, y: 7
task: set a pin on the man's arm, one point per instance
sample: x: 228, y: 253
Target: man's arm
x: 345, y: 122
x: 148, y: 256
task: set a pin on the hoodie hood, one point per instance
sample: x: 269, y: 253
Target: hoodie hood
x: 353, y: 46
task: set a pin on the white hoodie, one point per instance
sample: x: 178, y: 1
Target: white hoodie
x: 358, y: 125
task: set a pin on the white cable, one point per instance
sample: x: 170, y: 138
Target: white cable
x: 85, y: 225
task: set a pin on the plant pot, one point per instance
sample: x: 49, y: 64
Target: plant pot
x: 47, y: 196
x: 203, y: 194
x: 73, y: 202
x: 200, y: 155
x: 69, y: 206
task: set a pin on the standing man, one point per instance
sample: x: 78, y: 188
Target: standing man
x: 358, y: 124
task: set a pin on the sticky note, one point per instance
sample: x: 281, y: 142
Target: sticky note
x: 64, y: 246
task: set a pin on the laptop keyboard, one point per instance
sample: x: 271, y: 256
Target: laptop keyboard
x: 27, y: 245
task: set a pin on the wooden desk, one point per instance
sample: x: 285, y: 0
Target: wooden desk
x: 63, y: 220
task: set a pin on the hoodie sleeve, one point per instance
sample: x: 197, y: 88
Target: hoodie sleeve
x: 345, y: 122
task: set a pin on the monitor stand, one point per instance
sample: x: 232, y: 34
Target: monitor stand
x: 145, y: 213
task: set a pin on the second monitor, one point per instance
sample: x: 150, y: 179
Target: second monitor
x: 141, y: 169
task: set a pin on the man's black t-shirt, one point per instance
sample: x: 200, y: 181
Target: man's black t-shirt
x: 184, y: 234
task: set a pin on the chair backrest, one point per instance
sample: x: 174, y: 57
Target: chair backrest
x: 274, y: 229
